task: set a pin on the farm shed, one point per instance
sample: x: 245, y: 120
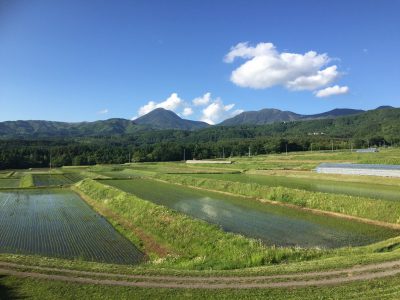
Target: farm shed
x: 360, y: 169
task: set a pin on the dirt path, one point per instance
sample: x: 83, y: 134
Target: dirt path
x: 330, y: 277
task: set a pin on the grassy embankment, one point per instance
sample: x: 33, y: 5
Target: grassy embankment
x: 377, y: 210
x: 26, y: 181
x: 194, y: 244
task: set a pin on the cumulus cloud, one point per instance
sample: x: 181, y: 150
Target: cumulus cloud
x: 331, y: 91
x: 103, y: 111
x: 214, y: 110
x: 266, y: 67
x: 187, y: 111
x: 217, y: 111
x: 203, y: 100
x: 173, y: 102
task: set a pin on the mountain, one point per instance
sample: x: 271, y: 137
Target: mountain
x: 38, y: 128
x: 385, y: 107
x: 261, y: 117
x: 156, y: 119
x: 334, y: 113
x: 161, y: 118
x: 268, y: 116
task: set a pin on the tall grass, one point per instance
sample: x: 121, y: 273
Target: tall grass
x: 195, y: 243
x: 379, y: 210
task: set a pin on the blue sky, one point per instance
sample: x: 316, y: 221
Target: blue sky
x: 87, y: 60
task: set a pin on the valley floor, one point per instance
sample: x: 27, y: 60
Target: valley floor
x: 201, y: 260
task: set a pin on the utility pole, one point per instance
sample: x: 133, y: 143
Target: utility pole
x: 311, y: 147
x: 50, y: 161
x: 129, y: 157
x: 184, y: 154
x: 223, y: 152
x: 332, y: 145
x: 286, y: 148
x: 249, y: 152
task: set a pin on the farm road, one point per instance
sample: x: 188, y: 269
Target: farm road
x: 333, y: 277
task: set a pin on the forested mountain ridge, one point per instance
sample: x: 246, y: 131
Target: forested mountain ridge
x: 268, y: 116
x: 39, y: 128
x: 149, y: 125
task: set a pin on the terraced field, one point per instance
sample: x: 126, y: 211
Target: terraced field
x: 9, y: 183
x: 56, y: 179
x: 58, y: 223
x: 274, y: 225
x: 265, y: 227
x: 368, y: 190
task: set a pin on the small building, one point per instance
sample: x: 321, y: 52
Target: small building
x: 367, y: 150
x: 359, y: 169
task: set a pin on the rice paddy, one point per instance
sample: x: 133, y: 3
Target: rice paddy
x: 58, y: 223
x: 274, y: 225
x: 368, y: 190
x: 9, y: 183
x: 55, y: 179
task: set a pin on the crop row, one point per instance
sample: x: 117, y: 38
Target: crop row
x: 60, y: 224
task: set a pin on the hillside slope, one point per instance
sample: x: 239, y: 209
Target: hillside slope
x: 161, y: 118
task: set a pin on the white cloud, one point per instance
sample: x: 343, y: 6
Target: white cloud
x: 203, y: 100
x: 103, y: 111
x: 332, y: 90
x: 187, y: 111
x: 312, y: 82
x: 266, y: 67
x: 214, y: 111
x: 217, y: 112
x: 173, y: 102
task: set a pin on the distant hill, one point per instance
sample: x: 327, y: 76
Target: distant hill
x: 156, y: 119
x: 385, y: 107
x: 338, y: 112
x: 261, y: 117
x: 38, y: 128
x: 161, y: 118
x: 269, y: 115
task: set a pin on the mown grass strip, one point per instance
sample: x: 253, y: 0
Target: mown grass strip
x: 379, y: 210
x: 198, y: 245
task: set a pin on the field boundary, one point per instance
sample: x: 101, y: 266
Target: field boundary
x: 323, y: 278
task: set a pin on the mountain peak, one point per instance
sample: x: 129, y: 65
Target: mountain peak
x: 165, y: 119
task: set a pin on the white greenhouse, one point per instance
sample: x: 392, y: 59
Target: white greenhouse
x: 359, y: 169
